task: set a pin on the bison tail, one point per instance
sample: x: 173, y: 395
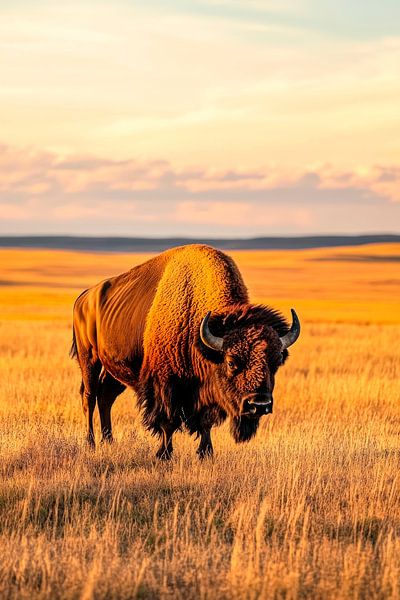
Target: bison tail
x: 73, y: 353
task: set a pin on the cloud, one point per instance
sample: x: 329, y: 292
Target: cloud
x: 45, y: 192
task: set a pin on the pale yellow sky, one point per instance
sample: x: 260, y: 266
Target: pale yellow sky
x: 190, y: 101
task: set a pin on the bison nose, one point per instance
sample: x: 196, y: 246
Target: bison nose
x: 257, y: 404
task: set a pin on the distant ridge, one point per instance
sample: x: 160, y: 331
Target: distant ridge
x: 127, y: 244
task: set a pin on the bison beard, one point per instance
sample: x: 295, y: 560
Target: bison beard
x: 243, y: 428
x: 180, y: 331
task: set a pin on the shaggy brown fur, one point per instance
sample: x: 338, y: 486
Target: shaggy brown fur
x: 141, y: 329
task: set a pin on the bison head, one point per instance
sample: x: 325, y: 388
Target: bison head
x: 247, y: 353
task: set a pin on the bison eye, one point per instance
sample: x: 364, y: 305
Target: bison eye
x: 231, y: 363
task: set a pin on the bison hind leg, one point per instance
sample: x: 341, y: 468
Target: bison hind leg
x: 108, y: 390
x: 90, y: 376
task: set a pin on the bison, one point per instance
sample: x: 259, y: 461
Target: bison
x: 180, y: 331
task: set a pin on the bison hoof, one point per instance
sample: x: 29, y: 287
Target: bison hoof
x: 90, y: 443
x: 163, y: 454
x: 205, y: 453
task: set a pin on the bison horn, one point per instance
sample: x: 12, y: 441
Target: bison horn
x: 291, y: 336
x: 208, y: 339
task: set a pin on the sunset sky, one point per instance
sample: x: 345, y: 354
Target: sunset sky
x: 203, y: 117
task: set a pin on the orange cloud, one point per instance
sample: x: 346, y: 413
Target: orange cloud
x: 39, y: 173
x: 53, y: 192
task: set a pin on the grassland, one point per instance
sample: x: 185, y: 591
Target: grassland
x: 309, y: 509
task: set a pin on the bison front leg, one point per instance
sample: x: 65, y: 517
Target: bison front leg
x: 205, y: 448
x: 166, y: 449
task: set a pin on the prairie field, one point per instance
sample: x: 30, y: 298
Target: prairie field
x: 308, y: 509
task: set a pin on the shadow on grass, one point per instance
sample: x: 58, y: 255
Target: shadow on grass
x: 364, y: 530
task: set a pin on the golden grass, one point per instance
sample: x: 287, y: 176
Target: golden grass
x: 309, y: 509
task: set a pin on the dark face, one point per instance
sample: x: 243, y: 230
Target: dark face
x: 246, y: 376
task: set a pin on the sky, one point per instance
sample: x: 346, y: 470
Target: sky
x: 203, y: 118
